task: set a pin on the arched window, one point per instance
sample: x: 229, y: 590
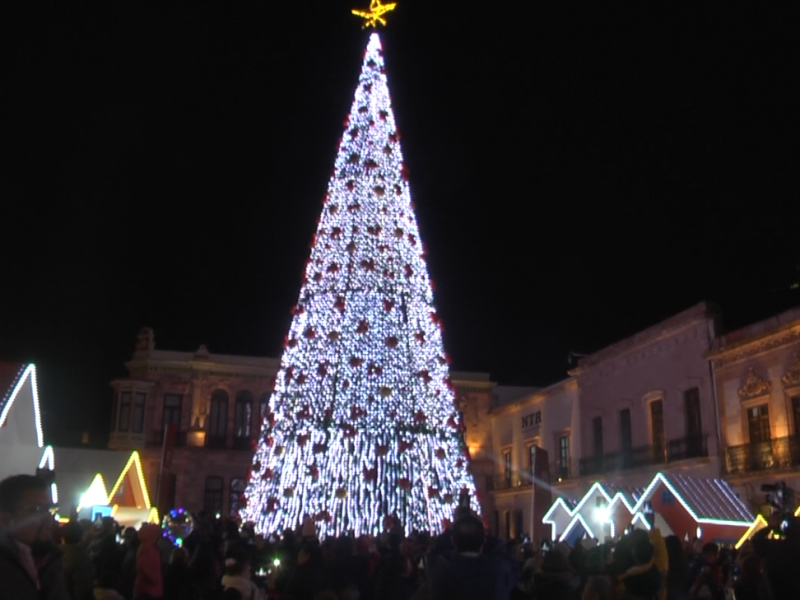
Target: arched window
x: 218, y: 420
x: 242, y: 419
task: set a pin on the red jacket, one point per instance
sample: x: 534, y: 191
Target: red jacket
x: 148, y: 564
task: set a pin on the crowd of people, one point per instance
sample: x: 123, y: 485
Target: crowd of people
x: 223, y: 560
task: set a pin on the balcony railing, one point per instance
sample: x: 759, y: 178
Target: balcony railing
x: 522, y: 479
x: 644, y: 456
x: 693, y: 446
x: 775, y: 454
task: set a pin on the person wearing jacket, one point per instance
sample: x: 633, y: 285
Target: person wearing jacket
x: 148, y: 584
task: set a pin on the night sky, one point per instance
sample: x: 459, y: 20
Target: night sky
x: 580, y: 171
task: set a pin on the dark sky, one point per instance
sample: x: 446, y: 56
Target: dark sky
x: 580, y: 171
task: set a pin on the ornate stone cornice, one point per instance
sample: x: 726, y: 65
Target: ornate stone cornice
x: 754, y: 385
x: 792, y: 376
x: 725, y: 356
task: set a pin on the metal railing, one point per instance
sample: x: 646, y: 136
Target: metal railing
x: 777, y: 453
x: 523, y: 479
x: 643, y: 456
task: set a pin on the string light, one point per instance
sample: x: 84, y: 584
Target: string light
x: 362, y: 421
x: 375, y: 14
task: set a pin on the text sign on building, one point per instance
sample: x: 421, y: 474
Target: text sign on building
x: 532, y: 420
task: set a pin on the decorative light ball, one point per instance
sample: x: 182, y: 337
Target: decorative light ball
x: 177, y: 525
x: 341, y: 493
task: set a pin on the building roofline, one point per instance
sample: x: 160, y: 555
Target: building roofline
x: 702, y: 311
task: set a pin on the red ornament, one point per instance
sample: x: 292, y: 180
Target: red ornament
x: 362, y: 110
x: 392, y: 341
x: 353, y: 208
x: 351, y: 185
x: 381, y: 450
x: 317, y: 277
x: 339, y: 304
x: 448, y: 498
x: 425, y: 375
x: 459, y: 463
x: 333, y: 209
x: 322, y: 369
x: 309, y: 333
x: 388, y: 305
x: 409, y: 271
x: 379, y: 191
x: 351, y: 247
x: 313, y: 470
x: 420, y: 337
x: 404, y: 483
x: 363, y: 326
x: 433, y: 492
x: 353, y: 158
x: 398, y: 233
x: 420, y: 416
x: 368, y: 265
x: 272, y: 504
x: 348, y: 431
x: 370, y: 164
x: 269, y: 441
x: 333, y: 336
x: 403, y: 445
x: 356, y: 412
x: 320, y: 448
x: 356, y: 362
x: 393, y: 137
x: 367, y: 87
x: 288, y: 374
x: 440, y: 453
x: 268, y: 474
x: 412, y: 240
x: 333, y: 268
x: 336, y: 232
x: 302, y: 439
x: 451, y: 422
x: 301, y: 379
x: 353, y: 133
x: 370, y: 475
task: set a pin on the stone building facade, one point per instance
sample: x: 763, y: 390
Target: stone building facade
x: 757, y: 378
x: 215, y: 402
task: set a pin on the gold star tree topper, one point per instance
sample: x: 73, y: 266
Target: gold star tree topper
x: 375, y: 14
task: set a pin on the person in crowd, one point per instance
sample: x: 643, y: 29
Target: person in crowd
x: 26, y: 528
x: 395, y: 580
x: 467, y: 574
x: 177, y: 579
x: 103, y: 549
x: 130, y: 545
x: 148, y: 584
x: 204, y: 570
x: 309, y: 577
x: 597, y: 588
x: 643, y: 581
x: 104, y: 587
x: 238, y: 576
x: 705, y: 576
x: 678, y: 569
x: 555, y: 580
x: 78, y: 568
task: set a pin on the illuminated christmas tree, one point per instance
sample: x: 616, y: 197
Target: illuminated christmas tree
x: 362, y: 422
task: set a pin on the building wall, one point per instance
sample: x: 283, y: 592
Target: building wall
x: 536, y: 419
x: 195, y: 376
x: 758, y: 366
x: 662, y: 362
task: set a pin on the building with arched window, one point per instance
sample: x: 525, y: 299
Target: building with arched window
x: 191, y: 416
